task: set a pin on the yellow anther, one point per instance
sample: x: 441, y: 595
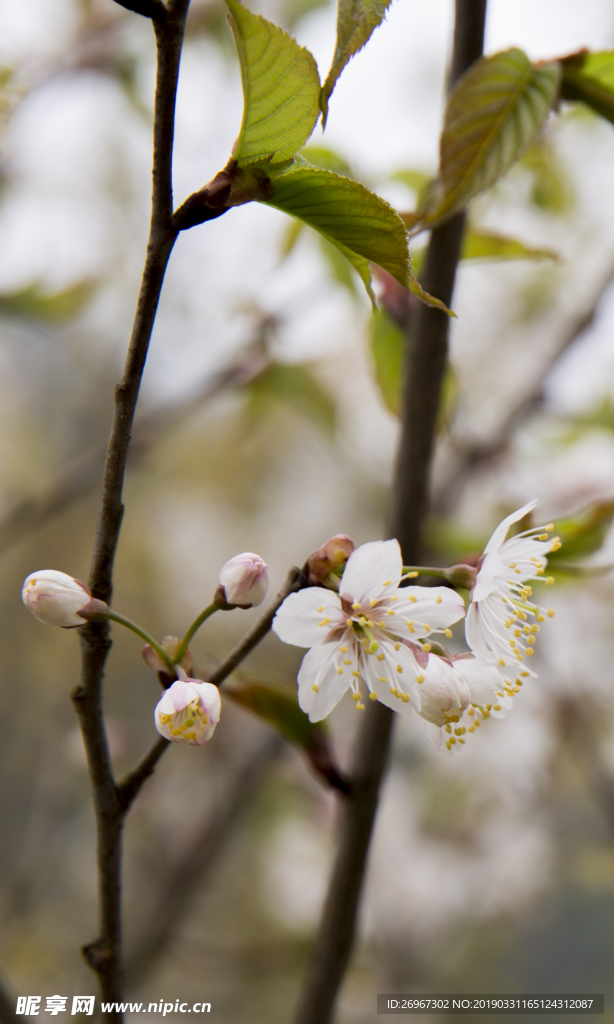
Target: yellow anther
x: 411, y: 575
x: 356, y: 606
x: 420, y: 678
x: 448, y: 728
x: 489, y: 707
x: 477, y: 722
x: 452, y: 741
x: 373, y: 647
x: 344, y: 650
x: 448, y: 633
x: 543, y: 536
x: 413, y: 598
x: 529, y: 652
x: 512, y: 565
x: 551, y: 613
x: 526, y: 630
x: 393, y: 691
x: 438, y: 599
x: 373, y: 602
x: 525, y: 674
x: 320, y: 609
x: 426, y: 648
x: 390, y: 611
x: 512, y: 643
x: 550, y: 580
x: 373, y: 696
x: 405, y: 697
x: 472, y: 728
x: 535, y: 628
x: 471, y: 711
x: 315, y: 687
x: 370, y: 623
x: 518, y: 632
x: 497, y: 707
x: 359, y: 707
x: 383, y: 679
x: 540, y: 617
x: 539, y: 572
x: 386, y: 583
x: 501, y: 661
x: 399, y: 668
x: 347, y: 661
x: 355, y: 696
x: 395, y: 598
x: 518, y: 571
x: 426, y: 626
x: 381, y: 657
x: 397, y: 647
x: 356, y: 675
x: 339, y: 671
x: 549, y: 527
x: 325, y: 622
x: 409, y: 622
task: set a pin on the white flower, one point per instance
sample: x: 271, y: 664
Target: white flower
x: 367, y: 631
x: 188, y: 712
x: 55, y: 598
x: 457, y: 697
x: 244, y: 580
x: 502, y: 623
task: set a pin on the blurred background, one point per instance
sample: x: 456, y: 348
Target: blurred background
x: 267, y: 424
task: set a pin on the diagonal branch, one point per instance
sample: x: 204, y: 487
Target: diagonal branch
x: 472, y: 457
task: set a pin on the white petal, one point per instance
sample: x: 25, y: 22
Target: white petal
x: 301, y: 620
x: 500, y: 533
x: 426, y: 608
x: 443, y: 692
x: 319, y: 668
x: 474, y: 635
x: 210, y: 700
x: 492, y: 570
x: 482, y: 679
x: 372, y: 569
x: 434, y: 734
x: 383, y: 675
x: 176, y: 697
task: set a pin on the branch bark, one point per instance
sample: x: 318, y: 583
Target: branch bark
x: 104, y: 954
x: 428, y: 351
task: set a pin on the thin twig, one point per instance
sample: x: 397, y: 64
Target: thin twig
x: 428, y: 348
x: 295, y: 580
x: 104, y: 954
x: 472, y: 457
x: 78, y: 478
x: 175, y: 893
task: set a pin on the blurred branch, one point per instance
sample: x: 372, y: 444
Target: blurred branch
x: 175, y: 893
x: 7, y: 1006
x: 83, y: 474
x: 578, y: 729
x: 474, y: 456
x: 426, y: 363
x: 104, y: 954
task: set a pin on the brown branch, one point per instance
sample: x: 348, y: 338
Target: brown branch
x: 472, y: 457
x: 104, y: 954
x: 295, y: 580
x: 75, y: 480
x: 428, y: 350
x: 175, y: 893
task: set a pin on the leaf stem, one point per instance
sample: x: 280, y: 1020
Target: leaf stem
x: 410, y: 571
x: 143, y: 635
x: 198, y: 621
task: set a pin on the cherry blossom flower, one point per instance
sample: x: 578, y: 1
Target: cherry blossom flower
x: 188, y: 712
x: 502, y: 622
x: 458, y: 694
x: 56, y: 598
x: 244, y: 580
x: 369, y: 630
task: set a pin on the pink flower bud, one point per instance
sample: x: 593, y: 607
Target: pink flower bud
x: 329, y: 561
x: 169, y: 645
x: 56, y: 598
x: 188, y: 712
x: 244, y: 581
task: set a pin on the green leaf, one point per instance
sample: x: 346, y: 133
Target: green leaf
x: 361, y: 224
x: 356, y: 20
x: 589, y: 77
x: 35, y: 303
x: 582, y: 534
x: 488, y: 245
x: 494, y: 112
x: 323, y: 156
x: 278, y: 705
x: 417, y: 181
x: 551, y: 188
x: 281, y: 87
x: 388, y: 347
x: 295, y: 385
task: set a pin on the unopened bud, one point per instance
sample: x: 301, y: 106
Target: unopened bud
x: 462, y: 576
x: 326, y: 565
x: 188, y: 712
x: 169, y: 645
x: 244, y: 581
x: 56, y: 598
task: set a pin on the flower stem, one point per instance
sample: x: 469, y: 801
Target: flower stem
x: 143, y: 635
x: 204, y: 615
x: 423, y: 570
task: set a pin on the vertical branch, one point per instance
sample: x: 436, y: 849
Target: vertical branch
x: 104, y: 954
x: 426, y: 362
